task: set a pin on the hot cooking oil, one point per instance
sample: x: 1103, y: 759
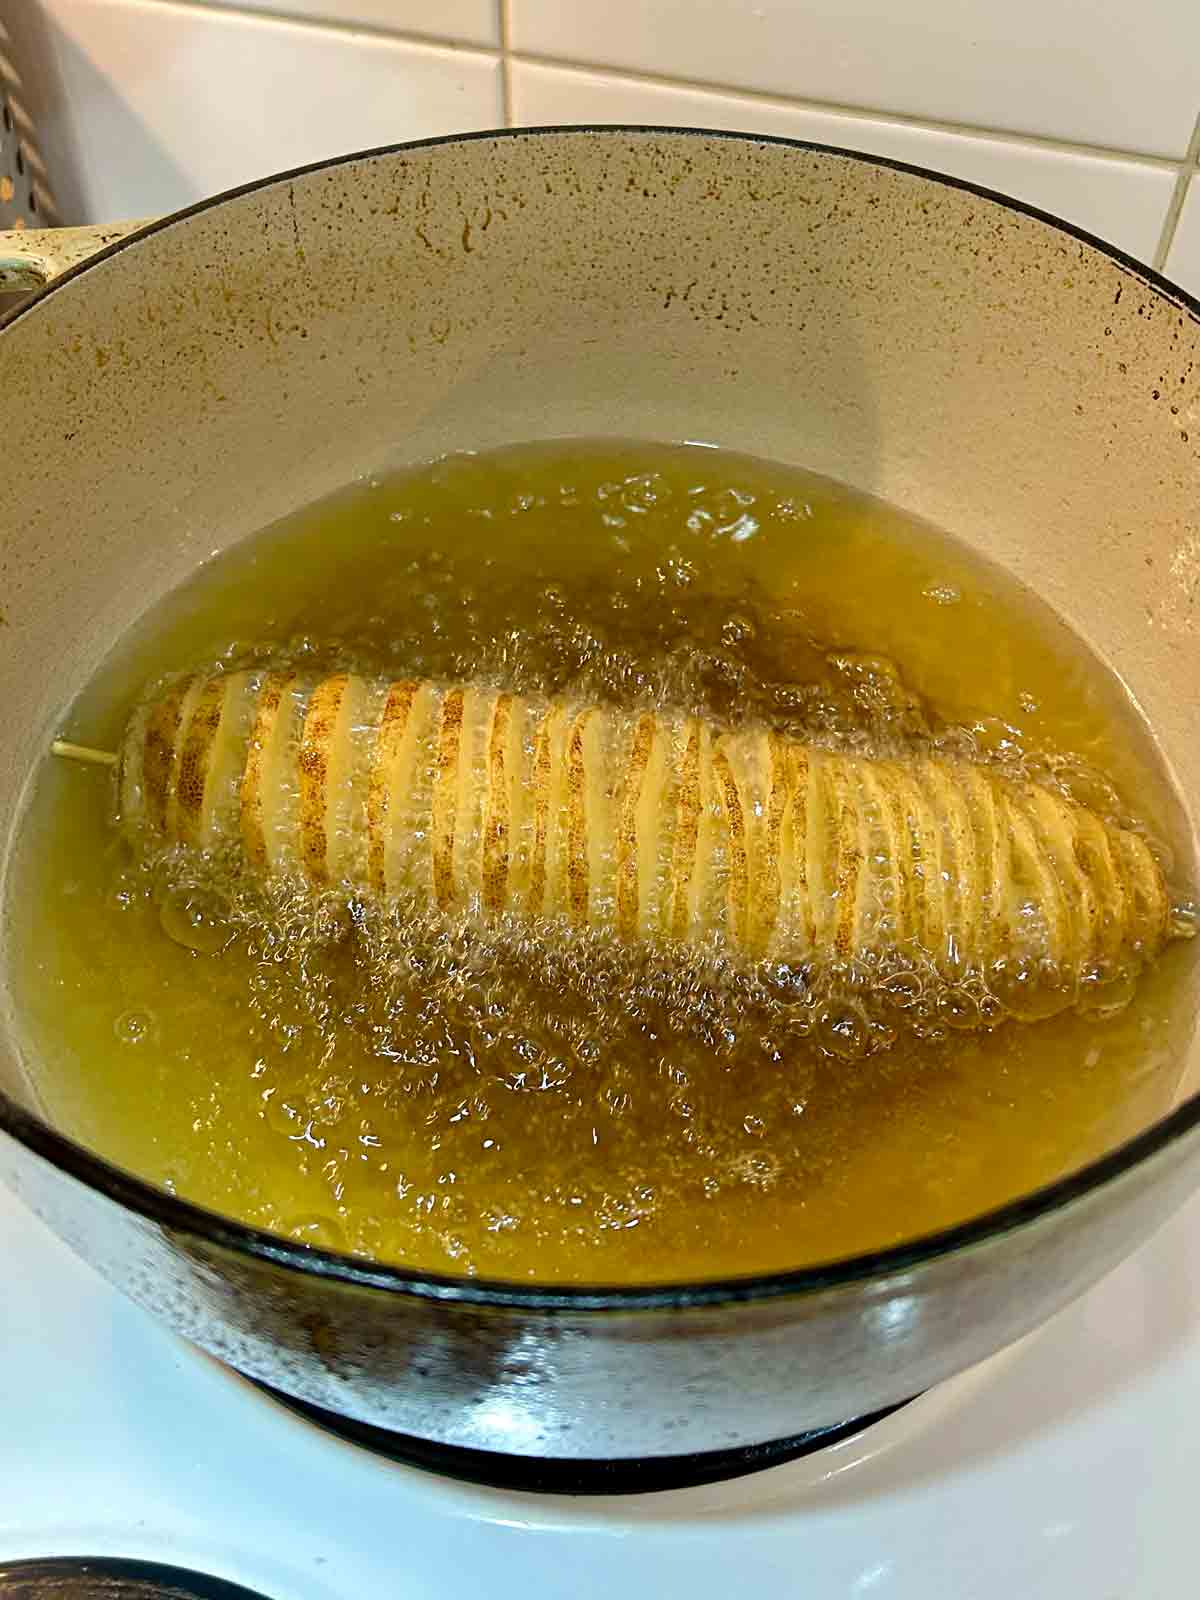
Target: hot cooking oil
x: 519, y: 1106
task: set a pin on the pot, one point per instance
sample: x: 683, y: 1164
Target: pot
x: 965, y: 357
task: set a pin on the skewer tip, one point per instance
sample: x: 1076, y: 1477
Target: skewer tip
x: 83, y: 752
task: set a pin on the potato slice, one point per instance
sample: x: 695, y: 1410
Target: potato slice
x: 478, y: 801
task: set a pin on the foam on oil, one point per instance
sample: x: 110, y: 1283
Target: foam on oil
x: 518, y: 1105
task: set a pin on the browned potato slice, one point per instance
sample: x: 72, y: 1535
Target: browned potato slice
x: 265, y: 781
x: 162, y: 733
x: 479, y: 801
x: 212, y: 758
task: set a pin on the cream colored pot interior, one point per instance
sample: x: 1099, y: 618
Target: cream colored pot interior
x: 970, y: 363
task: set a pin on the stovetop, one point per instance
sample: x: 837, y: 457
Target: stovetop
x: 1066, y: 1467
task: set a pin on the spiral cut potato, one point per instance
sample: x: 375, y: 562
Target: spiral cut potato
x: 646, y: 826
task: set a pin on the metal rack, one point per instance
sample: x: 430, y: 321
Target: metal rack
x: 26, y: 197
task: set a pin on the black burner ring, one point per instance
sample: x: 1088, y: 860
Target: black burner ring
x: 111, y: 1578
x: 562, y: 1475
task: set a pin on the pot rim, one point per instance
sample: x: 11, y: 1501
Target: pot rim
x: 182, y: 1217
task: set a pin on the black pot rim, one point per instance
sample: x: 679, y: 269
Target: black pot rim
x: 183, y: 1218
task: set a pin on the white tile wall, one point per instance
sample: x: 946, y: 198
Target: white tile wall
x: 1183, y: 263
x: 156, y: 105
x: 1087, y: 108
x: 1102, y: 71
x: 1123, y: 201
x: 470, y: 21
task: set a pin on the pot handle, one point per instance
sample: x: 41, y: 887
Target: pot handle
x: 31, y: 257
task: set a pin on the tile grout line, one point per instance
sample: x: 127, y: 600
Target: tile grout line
x: 302, y: 19
x: 1187, y: 173
x: 508, y: 57
x: 839, y: 108
x: 504, y: 24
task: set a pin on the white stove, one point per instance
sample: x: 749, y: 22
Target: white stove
x: 1067, y: 1467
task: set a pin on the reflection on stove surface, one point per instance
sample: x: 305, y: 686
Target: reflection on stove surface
x: 543, y: 1475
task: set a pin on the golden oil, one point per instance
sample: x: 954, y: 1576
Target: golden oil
x: 521, y: 1106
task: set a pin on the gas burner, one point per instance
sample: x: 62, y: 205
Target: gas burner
x: 104, y: 1578
x: 559, y: 1475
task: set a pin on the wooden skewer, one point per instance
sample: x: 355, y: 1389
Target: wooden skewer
x: 83, y: 752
